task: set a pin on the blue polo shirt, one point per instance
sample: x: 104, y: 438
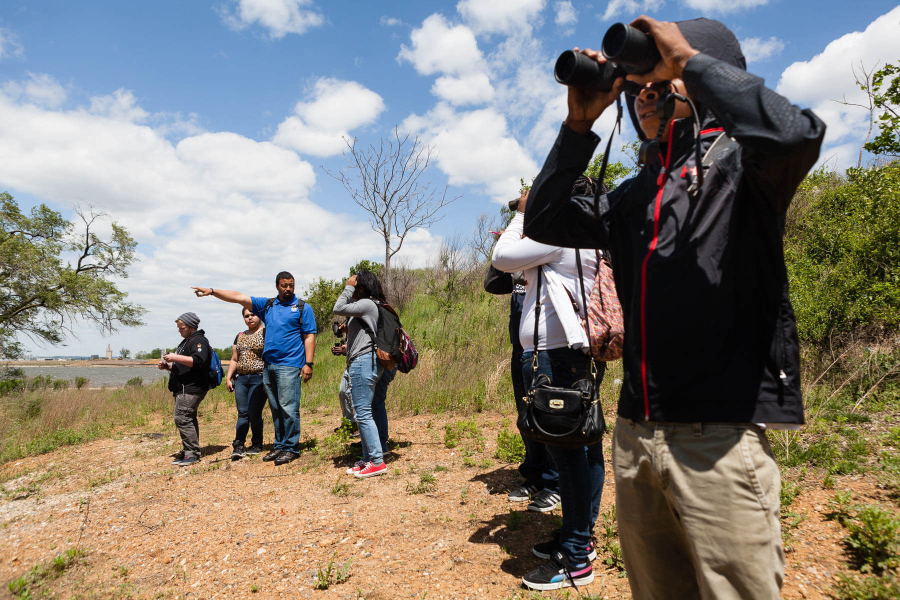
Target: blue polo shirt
x: 285, y: 327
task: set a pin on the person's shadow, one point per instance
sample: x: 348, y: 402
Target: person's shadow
x: 515, y: 532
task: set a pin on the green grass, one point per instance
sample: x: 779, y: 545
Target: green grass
x: 31, y: 584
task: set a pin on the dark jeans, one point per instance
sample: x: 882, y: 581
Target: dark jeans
x: 250, y: 397
x: 537, y: 468
x: 282, y: 383
x: 186, y: 421
x: 379, y: 410
x: 581, y: 470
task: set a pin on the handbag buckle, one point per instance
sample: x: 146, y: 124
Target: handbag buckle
x: 557, y: 403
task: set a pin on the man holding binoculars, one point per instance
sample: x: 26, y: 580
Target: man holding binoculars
x: 711, y: 355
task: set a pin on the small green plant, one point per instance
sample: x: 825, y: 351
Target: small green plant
x: 328, y: 575
x: 510, y: 447
x: 468, y: 461
x: 80, y: 382
x: 515, y: 520
x: 254, y: 588
x: 874, y: 539
x: 609, y: 541
x: 24, y: 586
x: 135, y: 382
x: 340, y: 489
x: 427, y: 484
x: 440, y: 469
x: 466, y: 433
x: 867, y: 587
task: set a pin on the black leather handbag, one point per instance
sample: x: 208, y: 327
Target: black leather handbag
x: 568, y: 417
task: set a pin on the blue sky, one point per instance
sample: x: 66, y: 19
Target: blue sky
x: 203, y: 127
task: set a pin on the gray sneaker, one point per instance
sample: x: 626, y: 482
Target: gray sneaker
x: 253, y: 450
x: 238, y: 453
x: 544, y: 502
x: 523, y: 493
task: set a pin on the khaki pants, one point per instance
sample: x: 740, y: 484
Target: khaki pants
x: 698, y: 509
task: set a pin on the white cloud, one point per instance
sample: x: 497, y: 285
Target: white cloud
x: 758, y: 49
x: 491, y: 16
x: 474, y: 88
x: 828, y: 76
x: 438, y: 46
x: 723, y: 6
x: 39, y: 88
x: 566, y: 17
x: 279, y: 17
x: 9, y: 44
x: 390, y: 21
x: 319, y: 125
x: 215, y: 208
x: 475, y: 148
x: 121, y: 105
x: 629, y: 8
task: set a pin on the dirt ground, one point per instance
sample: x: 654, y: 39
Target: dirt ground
x: 248, y: 529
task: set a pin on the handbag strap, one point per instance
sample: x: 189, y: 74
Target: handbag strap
x: 584, y: 308
x: 537, y: 320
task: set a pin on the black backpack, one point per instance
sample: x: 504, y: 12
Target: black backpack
x: 393, y: 346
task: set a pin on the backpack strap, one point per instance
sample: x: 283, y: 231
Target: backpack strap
x: 719, y: 146
x: 268, y: 305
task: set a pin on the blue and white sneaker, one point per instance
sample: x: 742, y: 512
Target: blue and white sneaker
x: 559, y: 572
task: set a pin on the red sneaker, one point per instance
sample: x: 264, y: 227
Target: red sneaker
x: 355, y: 468
x: 370, y: 470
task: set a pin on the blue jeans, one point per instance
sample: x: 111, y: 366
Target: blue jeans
x: 250, y: 397
x: 282, y: 384
x: 379, y: 410
x: 537, y: 468
x: 365, y: 373
x: 581, y: 470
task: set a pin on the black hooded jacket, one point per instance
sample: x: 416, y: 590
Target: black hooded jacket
x: 710, y: 334
x: 193, y: 379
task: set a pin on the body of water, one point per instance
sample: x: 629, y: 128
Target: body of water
x: 100, y: 376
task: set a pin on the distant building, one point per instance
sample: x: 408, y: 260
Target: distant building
x: 108, y: 352
x: 95, y: 356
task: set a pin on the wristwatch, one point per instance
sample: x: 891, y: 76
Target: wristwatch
x: 309, y: 364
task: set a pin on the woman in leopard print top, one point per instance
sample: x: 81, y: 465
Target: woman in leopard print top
x: 245, y: 380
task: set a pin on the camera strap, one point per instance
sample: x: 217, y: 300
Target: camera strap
x: 599, y: 187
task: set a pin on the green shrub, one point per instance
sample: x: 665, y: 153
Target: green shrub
x: 135, y: 382
x: 80, y: 382
x: 867, y: 587
x: 842, y: 249
x: 466, y: 433
x: 873, y: 539
x: 510, y: 447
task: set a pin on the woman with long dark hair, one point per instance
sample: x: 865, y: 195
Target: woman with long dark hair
x: 368, y: 378
x: 246, y: 381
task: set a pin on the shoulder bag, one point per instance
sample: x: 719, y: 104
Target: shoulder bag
x: 568, y: 417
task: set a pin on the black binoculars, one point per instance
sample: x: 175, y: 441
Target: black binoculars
x: 627, y: 50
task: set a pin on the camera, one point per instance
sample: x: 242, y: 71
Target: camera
x: 513, y: 205
x: 627, y: 50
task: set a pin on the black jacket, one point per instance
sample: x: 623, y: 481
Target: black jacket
x: 710, y: 334
x: 498, y: 283
x: 194, y: 379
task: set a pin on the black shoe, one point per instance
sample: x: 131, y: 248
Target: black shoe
x: 238, y: 453
x: 178, y: 455
x: 544, y: 502
x: 547, y: 549
x: 523, y: 493
x: 253, y: 451
x: 286, y: 457
x: 272, y: 455
x: 559, y: 572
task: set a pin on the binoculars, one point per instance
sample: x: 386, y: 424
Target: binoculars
x: 627, y: 50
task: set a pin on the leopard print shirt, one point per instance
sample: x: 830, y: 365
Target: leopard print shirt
x: 249, y: 352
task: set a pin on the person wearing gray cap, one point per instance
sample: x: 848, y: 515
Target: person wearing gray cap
x: 188, y: 370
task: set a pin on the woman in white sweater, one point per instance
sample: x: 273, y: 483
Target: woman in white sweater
x: 562, y: 351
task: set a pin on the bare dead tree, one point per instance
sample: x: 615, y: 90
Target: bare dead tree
x: 387, y: 182
x: 864, y: 81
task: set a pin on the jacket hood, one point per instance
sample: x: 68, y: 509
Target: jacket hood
x: 709, y: 37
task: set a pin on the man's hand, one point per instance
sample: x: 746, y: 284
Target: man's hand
x: 673, y: 47
x: 586, y: 106
x: 523, y: 201
x: 351, y: 281
x: 200, y: 292
x: 162, y: 365
x: 306, y: 373
x: 339, y: 350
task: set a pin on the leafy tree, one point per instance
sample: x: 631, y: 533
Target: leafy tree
x: 842, y: 249
x: 321, y: 295
x: 140, y: 355
x: 615, y: 171
x: 224, y: 353
x: 366, y: 265
x: 156, y: 354
x: 125, y: 353
x: 41, y: 294
x: 888, y: 101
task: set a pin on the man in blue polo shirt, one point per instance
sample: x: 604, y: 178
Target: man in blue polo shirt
x: 290, y: 346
